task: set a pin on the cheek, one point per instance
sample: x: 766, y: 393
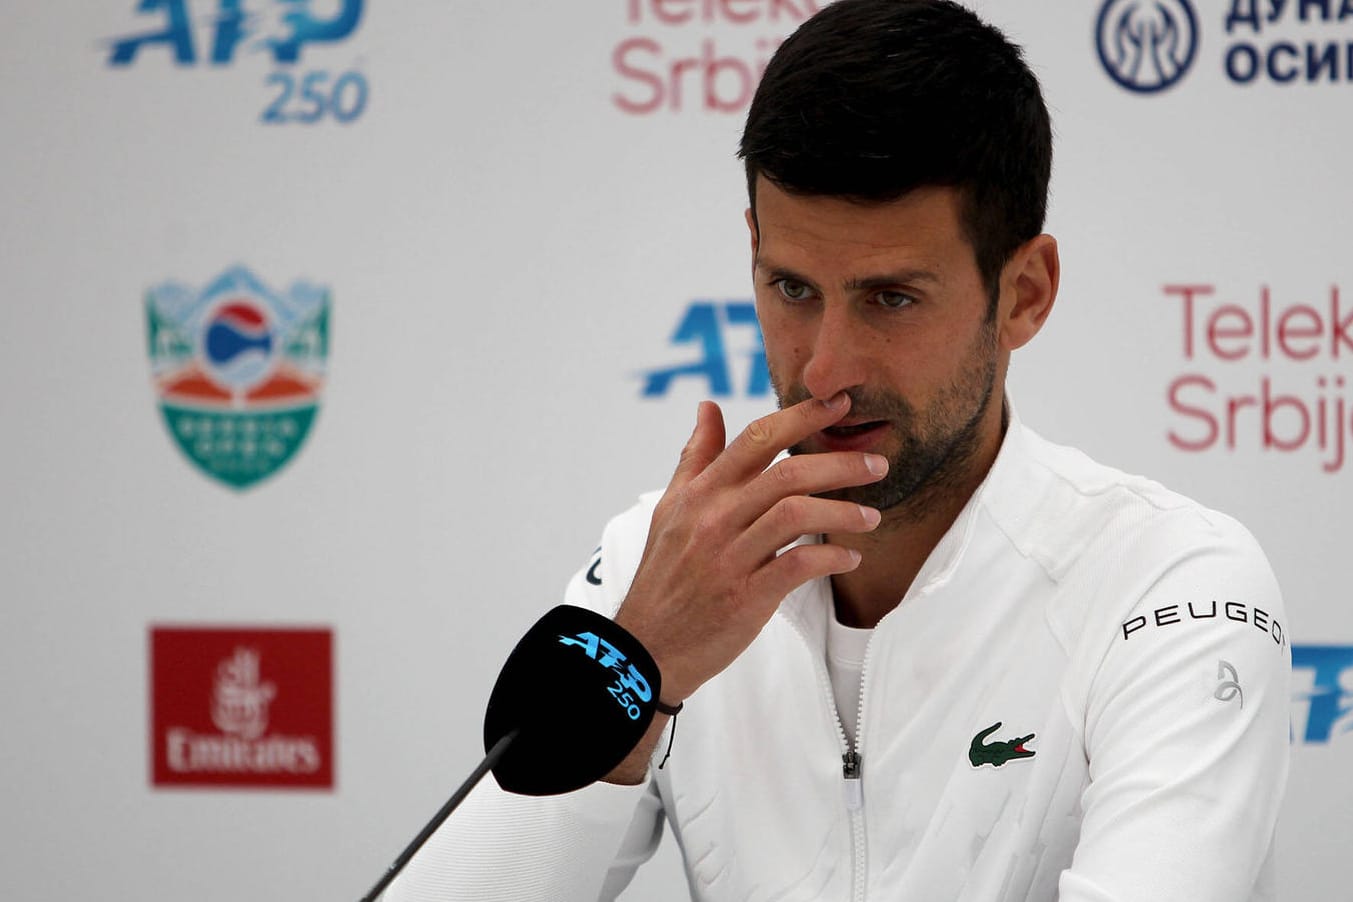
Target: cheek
x: 910, y: 369
x: 784, y: 340
x: 787, y: 356
x: 784, y: 361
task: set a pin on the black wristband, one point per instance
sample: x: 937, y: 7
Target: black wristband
x: 668, y: 709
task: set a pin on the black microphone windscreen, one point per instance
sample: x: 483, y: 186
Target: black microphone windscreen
x: 582, y: 691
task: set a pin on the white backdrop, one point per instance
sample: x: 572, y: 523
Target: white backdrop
x: 512, y: 213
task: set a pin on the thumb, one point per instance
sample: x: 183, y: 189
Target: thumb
x: 705, y: 444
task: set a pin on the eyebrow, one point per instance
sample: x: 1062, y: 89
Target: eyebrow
x: 858, y: 283
x: 901, y: 277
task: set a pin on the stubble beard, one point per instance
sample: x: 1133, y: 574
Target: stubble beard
x: 937, y: 448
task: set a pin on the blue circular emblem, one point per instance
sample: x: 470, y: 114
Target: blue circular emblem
x: 237, y: 344
x: 1146, y: 45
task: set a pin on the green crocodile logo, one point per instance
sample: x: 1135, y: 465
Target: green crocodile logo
x: 997, y: 753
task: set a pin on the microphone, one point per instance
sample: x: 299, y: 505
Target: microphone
x: 582, y: 691
x: 572, y: 701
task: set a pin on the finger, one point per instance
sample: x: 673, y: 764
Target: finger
x: 808, y: 474
x: 705, y: 444
x: 756, y: 446
x: 797, y: 566
x: 798, y: 516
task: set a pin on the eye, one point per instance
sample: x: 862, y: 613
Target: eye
x: 791, y: 290
x: 894, y: 300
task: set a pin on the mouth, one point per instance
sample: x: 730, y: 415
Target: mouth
x: 852, y: 430
x: 863, y: 435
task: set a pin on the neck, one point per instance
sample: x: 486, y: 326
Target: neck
x: 892, y: 555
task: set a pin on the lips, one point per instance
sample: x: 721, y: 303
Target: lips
x: 853, y: 429
x: 858, y: 436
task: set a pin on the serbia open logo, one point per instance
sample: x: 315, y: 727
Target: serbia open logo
x: 238, y: 369
x: 1147, y: 45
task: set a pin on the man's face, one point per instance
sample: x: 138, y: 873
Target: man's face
x: 885, y: 302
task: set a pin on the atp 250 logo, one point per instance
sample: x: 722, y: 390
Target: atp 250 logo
x: 630, y: 683
x: 731, y: 353
x: 1322, y: 692
x: 279, y: 31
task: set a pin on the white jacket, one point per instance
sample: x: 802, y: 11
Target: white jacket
x: 1139, y: 637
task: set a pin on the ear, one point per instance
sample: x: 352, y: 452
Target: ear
x: 1028, y: 290
x: 751, y: 227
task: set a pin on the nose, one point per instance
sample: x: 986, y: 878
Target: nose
x: 836, y: 358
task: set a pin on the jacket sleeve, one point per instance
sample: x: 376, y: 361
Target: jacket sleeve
x: 499, y: 847
x: 1186, y: 734
x: 577, y: 847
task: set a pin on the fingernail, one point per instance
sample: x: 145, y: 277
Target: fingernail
x: 854, y: 557
x: 871, y: 516
x: 877, y: 464
x: 837, y: 401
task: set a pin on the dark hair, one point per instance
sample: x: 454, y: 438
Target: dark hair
x: 870, y: 99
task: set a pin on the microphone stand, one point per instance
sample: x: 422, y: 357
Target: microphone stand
x: 442, y: 814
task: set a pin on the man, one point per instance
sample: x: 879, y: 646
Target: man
x: 928, y: 655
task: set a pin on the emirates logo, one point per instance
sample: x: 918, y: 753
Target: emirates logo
x: 241, y: 707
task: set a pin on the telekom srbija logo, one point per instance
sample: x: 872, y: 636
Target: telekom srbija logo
x: 241, y: 707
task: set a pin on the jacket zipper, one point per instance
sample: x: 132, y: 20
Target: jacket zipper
x: 852, y: 770
x: 852, y: 765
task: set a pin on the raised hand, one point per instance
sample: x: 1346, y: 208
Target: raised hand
x: 710, y: 576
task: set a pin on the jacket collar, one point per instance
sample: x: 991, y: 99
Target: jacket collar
x: 1004, y: 487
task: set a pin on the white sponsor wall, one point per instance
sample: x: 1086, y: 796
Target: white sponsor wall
x: 513, y: 210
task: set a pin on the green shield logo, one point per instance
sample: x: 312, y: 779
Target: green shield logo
x: 238, y: 368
